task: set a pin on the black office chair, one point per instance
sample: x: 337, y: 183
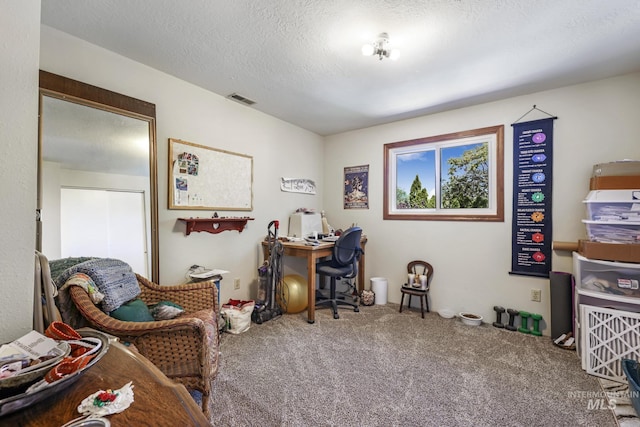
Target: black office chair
x: 343, y: 264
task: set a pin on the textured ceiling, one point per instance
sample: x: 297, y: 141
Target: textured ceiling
x: 300, y: 60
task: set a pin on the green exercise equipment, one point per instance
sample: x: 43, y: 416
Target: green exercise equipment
x: 536, y: 325
x: 524, y: 326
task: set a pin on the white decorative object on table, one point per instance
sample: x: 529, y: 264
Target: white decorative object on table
x: 107, y: 402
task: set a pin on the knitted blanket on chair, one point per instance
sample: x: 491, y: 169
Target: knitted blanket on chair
x: 114, y: 278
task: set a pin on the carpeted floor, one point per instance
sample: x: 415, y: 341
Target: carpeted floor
x: 384, y: 368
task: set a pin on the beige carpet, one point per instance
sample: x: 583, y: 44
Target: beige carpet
x: 384, y: 368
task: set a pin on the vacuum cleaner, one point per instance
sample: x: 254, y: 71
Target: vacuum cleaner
x: 270, y: 279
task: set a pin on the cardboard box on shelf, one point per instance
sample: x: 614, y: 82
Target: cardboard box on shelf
x: 609, y: 251
x: 617, y: 182
x: 619, y: 168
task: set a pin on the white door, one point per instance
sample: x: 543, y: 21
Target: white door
x: 103, y: 223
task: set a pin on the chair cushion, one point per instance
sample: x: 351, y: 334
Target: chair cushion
x: 165, y: 310
x: 335, y: 271
x: 133, y: 311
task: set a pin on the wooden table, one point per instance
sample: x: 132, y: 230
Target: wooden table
x: 313, y: 254
x: 158, y: 401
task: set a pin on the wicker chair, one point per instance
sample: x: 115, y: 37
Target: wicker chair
x: 185, y: 349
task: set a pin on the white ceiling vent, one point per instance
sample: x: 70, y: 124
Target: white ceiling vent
x: 241, y: 99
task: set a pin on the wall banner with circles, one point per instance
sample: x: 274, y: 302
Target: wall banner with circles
x: 532, y: 190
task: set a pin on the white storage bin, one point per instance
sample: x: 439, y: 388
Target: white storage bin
x: 613, y: 205
x: 590, y: 299
x: 607, y: 336
x: 379, y: 287
x: 590, y: 289
x: 616, y: 281
x: 627, y: 232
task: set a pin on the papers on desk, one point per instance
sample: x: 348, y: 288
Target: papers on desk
x: 330, y: 238
x: 311, y: 242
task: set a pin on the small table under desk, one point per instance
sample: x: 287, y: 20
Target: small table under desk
x: 313, y: 254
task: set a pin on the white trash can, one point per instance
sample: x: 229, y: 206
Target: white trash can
x: 379, y: 288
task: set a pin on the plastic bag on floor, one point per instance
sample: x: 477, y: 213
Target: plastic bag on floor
x: 237, y: 315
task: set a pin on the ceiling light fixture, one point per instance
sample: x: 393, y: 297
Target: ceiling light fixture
x: 380, y: 48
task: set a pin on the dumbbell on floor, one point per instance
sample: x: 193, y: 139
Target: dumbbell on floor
x: 536, y: 325
x: 512, y: 319
x: 524, y: 326
x: 499, y: 311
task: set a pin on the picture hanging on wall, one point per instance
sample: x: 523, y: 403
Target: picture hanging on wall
x: 356, y: 187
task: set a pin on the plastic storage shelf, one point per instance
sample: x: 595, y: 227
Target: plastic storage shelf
x: 607, y: 279
x: 613, y: 231
x: 597, y: 285
x: 613, y: 205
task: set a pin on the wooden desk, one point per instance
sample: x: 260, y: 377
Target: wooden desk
x: 158, y: 401
x: 313, y: 254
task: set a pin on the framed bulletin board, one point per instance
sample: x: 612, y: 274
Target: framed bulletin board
x: 206, y: 178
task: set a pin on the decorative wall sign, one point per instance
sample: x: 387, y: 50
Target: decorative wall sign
x: 356, y: 187
x: 202, y: 177
x: 532, y: 190
x: 298, y: 185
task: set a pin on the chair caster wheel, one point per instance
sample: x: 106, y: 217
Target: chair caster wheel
x: 356, y: 309
x: 336, y: 316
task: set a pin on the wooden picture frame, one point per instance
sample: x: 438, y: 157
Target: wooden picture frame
x: 462, y: 177
x: 206, y: 178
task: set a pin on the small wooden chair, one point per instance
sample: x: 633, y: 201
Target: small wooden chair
x: 417, y: 268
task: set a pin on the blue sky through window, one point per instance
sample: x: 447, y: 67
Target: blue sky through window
x: 423, y: 164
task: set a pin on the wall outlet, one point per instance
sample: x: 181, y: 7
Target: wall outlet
x: 536, y: 295
x: 236, y: 283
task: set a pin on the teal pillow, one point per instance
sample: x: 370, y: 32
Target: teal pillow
x: 165, y: 310
x: 133, y: 311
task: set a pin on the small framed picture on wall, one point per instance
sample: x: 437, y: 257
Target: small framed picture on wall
x: 356, y: 187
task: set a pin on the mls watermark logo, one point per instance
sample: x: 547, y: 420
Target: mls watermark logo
x: 601, y: 403
x: 599, y: 400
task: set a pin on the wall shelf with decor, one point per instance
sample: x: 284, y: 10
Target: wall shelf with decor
x: 214, y: 225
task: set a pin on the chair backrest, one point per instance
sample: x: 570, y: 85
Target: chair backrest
x: 420, y: 267
x: 44, y: 307
x: 347, y: 248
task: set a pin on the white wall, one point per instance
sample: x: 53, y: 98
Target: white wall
x: 19, y: 32
x: 192, y: 114
x: 597, y: 122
